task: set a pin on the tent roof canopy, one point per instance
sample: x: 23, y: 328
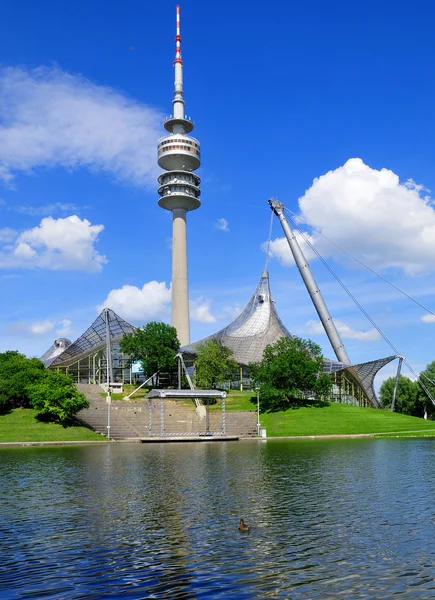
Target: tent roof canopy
x: 94, y: 338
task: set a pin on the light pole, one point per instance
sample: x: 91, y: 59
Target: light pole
x: 108, y: 370
x: 257, y: 389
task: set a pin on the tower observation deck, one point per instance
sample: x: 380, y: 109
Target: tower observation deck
x: 179, y: 155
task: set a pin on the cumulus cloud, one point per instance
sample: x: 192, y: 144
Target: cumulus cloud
x: 50, y: 118
x: 140, y: 305
x: 40, y: 328
x: 222, y: 224
x: 373, y: 215
x: 428, y: 318
x: 55, y: 244
x: 316, y: 327
x: 151, y: 302
x: 200, y: 311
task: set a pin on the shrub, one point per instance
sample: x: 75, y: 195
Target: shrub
x: 56, y: 396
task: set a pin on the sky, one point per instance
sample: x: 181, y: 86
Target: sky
x: 328, y: 107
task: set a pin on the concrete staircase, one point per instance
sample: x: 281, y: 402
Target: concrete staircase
x: 139, y: 419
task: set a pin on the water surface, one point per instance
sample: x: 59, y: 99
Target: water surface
x: 335, y: 519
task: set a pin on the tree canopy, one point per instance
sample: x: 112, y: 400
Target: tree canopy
x: 291, y: 369
x: 408, y: 397
x: 154, y: 345
x: 213, y: 364
x: 25, y: 382
x: 17, y: 372
x: 56, y: 396
x: 427, y: 377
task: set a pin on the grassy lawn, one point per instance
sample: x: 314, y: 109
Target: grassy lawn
x: 343, y: 419
x: 236, y: 400
x: 128, y: 389
x: 21, y: 425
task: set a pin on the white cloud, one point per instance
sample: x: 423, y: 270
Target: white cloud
x: 231, y: 312
x: 200, y: 311
x: 47, y: 209
x: 8, y: 235
x: 56, y: 244
x: 428, y: 318
x: 371, y: 214
x: 140, y: 305
x: 64, y: 328
x: 152, y: 302
x: 222, y: 224
x: 315, y: 327
x: 50, y: 118
x: 40, y: 328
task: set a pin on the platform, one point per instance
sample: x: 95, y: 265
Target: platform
x: 189, y: 438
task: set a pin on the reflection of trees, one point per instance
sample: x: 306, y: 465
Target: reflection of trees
x: 136, y: 510
x: 162, y: 518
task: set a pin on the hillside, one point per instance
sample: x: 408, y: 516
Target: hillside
x: 21, y: 425
x: 342, y: 419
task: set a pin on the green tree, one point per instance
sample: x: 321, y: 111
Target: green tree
x: 427, y: 377
x: 213, y: 364
x: 55, y: 396
x: 155, y: 345
x: 291, y: 368
x: 17, y: 372
x: 408, y: 397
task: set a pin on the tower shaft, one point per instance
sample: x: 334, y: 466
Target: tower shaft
x: 180, y: 286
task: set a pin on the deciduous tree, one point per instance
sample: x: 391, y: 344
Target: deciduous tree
x: 427, y: 377
x: 291, y: 368
x: 25, y: 382
x: 213, y: 364
x: 408, y: 401
x: 155, y: 345
x: 17, y: 372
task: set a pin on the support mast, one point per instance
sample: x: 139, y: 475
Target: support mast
x: 311, y: 285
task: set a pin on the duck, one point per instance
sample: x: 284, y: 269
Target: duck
x: 242, y: 526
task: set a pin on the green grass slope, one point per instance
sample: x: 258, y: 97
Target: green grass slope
x: 21, y: 425
x: 342, y: 419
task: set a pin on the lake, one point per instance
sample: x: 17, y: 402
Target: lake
x: 328, y: 519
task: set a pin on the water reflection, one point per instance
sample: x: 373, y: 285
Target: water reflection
x: 328, y: 520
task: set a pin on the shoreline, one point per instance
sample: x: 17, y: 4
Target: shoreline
x: 332, y: 436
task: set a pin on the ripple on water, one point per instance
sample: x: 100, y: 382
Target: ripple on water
x: 328, y: 520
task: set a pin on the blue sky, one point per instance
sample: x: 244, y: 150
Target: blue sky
x: 327, y: 106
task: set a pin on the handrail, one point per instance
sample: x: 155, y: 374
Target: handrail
x: 141, y: 385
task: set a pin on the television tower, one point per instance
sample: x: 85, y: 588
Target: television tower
x: 179, y: 155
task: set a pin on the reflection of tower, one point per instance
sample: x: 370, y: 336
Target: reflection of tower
x: 179, y: 156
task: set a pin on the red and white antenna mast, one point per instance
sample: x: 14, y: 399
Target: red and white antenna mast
x: 178, y: 101
x: 178, y: 39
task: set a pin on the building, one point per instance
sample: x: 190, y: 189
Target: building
x: 179, y: 155
x: 259, y: 325
x: 247, y: 336
x: 86, y: 359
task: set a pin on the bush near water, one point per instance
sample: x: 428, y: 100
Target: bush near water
x: 27, y: 383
